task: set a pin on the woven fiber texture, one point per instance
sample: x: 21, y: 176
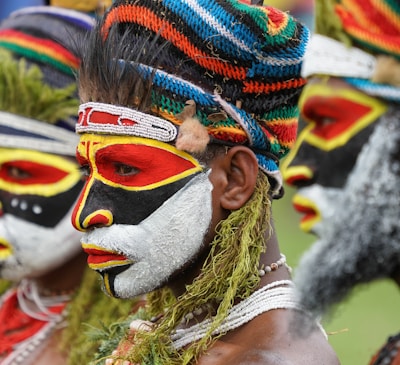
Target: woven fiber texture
x: 240, y: 64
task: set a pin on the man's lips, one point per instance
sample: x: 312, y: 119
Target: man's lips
x: 102, y: 259
x: 309, y: 210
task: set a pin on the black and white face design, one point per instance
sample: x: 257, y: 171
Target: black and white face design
x: 145, y: 209
x: 37, y: 193
x: 361, y: 243
x: 137, y: 259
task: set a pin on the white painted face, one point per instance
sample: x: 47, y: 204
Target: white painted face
x: 30, y: 250
x: 137, y: 259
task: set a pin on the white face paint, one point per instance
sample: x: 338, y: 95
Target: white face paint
x: 28, y: 250
x: 163, y: 243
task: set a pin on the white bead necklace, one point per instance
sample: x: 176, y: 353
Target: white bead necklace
x: 274, y: 266
x: 28, y: 291
x: 277, y: 295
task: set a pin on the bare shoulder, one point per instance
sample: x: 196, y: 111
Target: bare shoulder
x: 274, y: 338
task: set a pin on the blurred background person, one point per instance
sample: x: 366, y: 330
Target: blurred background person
x: 50, y: 293
x: 345, y: 165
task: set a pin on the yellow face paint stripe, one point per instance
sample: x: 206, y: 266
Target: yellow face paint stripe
x: 291, y: 155
x: 80, y: 205
x: 103, y: 212
x: 302, y: 171
x: 307, y: 225
x: 106, y: 281
x: 69, y: 167
x: 109, y: 263
x: 6, y: 250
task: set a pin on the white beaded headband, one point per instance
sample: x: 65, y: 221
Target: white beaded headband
x: 21, y: 132
x: 328, y: 56
x: 118, y: 120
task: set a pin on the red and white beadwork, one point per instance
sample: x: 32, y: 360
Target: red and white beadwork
x: 118, y: 120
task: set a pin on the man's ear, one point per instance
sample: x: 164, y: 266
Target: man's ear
x: 241, y: 168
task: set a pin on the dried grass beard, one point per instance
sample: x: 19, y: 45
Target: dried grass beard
x: 361, y: 243
x: 229, y: 273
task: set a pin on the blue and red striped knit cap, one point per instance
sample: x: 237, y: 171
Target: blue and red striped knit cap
x: 238, y: 64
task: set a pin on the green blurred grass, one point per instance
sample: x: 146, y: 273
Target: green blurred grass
x: 361, y: 324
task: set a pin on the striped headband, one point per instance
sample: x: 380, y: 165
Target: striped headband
x: 327, y: 56
x: 20, y: 132
x: 239, y: 64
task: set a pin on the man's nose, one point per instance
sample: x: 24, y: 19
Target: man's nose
x: 83, y: 220
x: 90, y: 211
x: 298, y: 175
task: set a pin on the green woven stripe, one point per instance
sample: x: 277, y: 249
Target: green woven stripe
x: 33, y: 55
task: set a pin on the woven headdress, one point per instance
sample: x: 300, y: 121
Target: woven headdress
x: 38, y: 98
x: 359, y: 41
x: 221, y: 72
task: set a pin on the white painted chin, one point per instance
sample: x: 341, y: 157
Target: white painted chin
x: 36, y: 250
x: 160, y: 245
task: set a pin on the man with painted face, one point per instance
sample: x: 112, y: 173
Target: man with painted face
x: 40, y: 253
x: 345, y: 163
x: 187, y: 107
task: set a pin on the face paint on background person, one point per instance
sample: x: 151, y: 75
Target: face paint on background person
x: 357, y: 246
x: 339, y: 121
x: 36, y: 193
x: 155, y: 238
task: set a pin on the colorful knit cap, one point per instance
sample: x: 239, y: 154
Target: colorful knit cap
x: 359, y: 41
x: 43, y: 37
x: 238, y: 64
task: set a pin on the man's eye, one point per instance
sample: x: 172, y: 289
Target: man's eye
x: 17, y: 173
x: 125, y: 170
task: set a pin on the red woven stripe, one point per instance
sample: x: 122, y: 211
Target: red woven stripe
x: 258, y: 87
x: 148, y: 19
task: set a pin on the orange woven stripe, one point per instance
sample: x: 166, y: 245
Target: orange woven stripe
x: 261, y: 88
x: 145, y: 17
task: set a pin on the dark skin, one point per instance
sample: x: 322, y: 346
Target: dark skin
x: 270, y: 338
